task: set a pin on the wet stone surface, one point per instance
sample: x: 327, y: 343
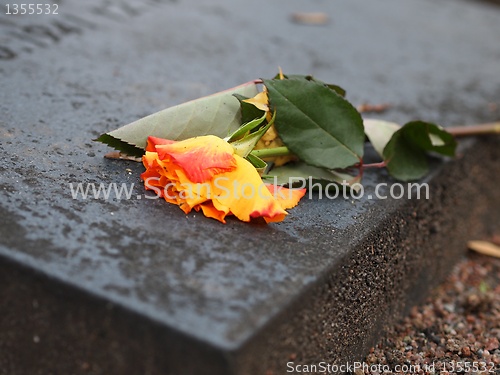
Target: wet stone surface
x: 136, y: 277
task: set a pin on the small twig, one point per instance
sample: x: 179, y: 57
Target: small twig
x: 310, y: 18
x: 122, y: 156
x: 374, y: 108
x: 382, y: 164
x: 470, y: 130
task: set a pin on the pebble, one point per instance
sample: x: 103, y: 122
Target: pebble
x: 458, y: 322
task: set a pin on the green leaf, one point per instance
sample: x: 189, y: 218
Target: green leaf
x: 248, y: 111
x: 245, y: 145
x: 299, y: 171
x: 406, y: 152
x: 257, y: 162
x: 245, y: 129
x: 316, y: 124
x: 379, y: 133
x: 405, y: 161
x: 430, y: 137
x: 120, y: 145
x: 217, y: 114
x: 339, y: 90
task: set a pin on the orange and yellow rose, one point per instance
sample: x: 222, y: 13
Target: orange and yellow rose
x: 204, y: 173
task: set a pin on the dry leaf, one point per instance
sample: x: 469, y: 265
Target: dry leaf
x: 313, y: 18
x: 496, y: 239
x: 121, y: 156
x: 377, y: 108
x: 485, y: 248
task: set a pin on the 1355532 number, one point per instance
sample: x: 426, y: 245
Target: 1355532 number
x: 14, y: 9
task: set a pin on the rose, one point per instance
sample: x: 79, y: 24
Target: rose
x: 204, y: 173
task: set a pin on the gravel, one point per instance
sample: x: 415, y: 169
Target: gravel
x: 456, y: 330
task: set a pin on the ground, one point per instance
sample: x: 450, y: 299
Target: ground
x: 457, y: 329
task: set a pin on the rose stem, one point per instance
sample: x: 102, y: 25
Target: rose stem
x: 271, y: 152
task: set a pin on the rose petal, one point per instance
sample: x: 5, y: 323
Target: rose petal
x: 155, y: 141
x: 260, y: 101
x: 287, y: 198
x: 201, y: 158
x: 210, y: 211
x: 244, y: 193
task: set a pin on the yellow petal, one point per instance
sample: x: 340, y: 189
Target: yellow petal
x: 210, y: 211
x: 244, y: 193
x: 271, y: 139
x: 287, y: 198
x: 260, y: 100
